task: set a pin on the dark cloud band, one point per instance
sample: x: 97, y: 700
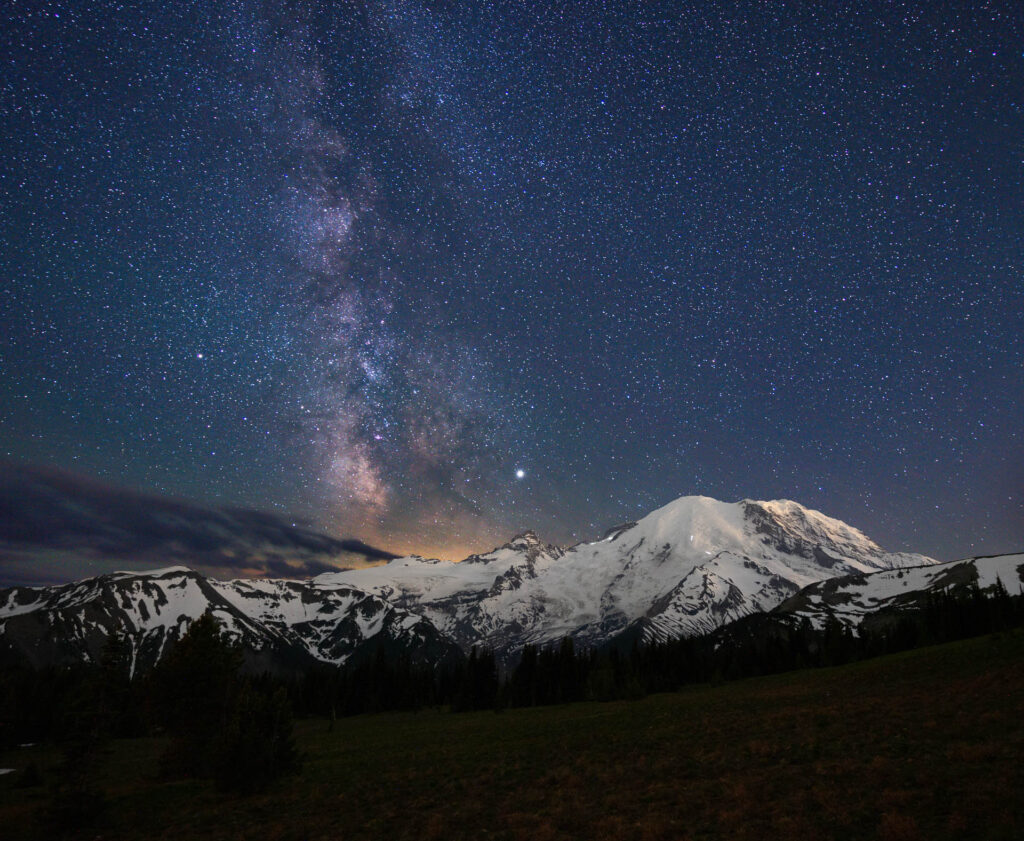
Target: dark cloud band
x: 55, y: 519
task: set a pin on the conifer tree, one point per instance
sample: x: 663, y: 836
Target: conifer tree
x: 194, y: 687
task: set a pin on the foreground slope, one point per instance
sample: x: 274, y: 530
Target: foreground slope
x: 920, y: 745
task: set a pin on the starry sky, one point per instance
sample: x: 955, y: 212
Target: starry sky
x: 425, y: 274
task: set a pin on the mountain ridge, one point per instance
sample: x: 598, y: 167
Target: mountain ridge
x: 883, y: 594
x: 686, y: 568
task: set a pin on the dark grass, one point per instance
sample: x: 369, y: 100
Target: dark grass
x: 928, y: 744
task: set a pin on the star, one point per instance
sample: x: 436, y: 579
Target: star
x: 520, y: 474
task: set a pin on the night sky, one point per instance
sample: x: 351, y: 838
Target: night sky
x: 426, y: 274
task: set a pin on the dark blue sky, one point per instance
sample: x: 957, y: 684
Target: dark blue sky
x: 361, y: 262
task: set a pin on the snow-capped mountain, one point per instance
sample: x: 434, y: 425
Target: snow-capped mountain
x: 689, y: 567
x: 852, y: 598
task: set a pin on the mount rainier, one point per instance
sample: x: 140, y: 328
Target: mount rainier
x: 690, y: 567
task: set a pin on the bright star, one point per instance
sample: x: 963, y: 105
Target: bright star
x: 520, y: 473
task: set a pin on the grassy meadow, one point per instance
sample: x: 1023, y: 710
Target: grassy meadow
x: 928, y: 744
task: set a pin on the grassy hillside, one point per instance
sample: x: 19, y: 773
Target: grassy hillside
x: 923, y: 745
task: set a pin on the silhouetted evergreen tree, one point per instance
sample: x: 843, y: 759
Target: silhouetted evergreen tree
x: 193, y: 688
x: 95, y: 710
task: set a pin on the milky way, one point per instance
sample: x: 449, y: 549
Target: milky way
x: 403, y: 424
x: 425, y: 274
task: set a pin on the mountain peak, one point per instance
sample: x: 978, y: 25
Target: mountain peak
x: 526, y: 541
x: 527, y: 538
